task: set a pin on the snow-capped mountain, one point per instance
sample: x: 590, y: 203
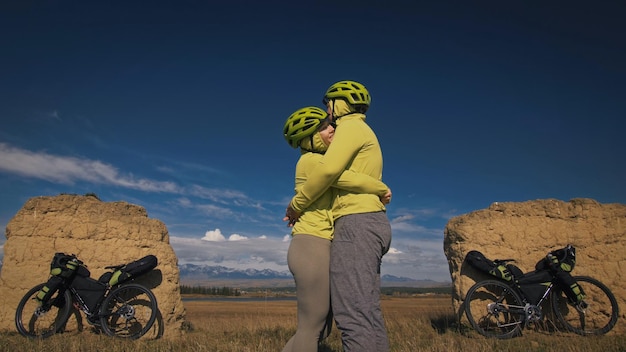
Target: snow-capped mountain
x: 196, y: 272
x: 199, y: 273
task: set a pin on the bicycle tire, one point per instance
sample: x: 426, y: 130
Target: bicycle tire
x: 128, y: 311
x: 600, y: 315
x: 494, y: 309
x: 36, y: 320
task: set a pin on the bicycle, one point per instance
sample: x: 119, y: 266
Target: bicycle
x: 113, y: 304
x: 503, y: 308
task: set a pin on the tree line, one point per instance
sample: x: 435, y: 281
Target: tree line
x: 213, y: 291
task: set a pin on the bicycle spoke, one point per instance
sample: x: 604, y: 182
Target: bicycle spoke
x: 130, y: 311
x: 595, y: 315
x: 494, y: 310
x: 33, y: 319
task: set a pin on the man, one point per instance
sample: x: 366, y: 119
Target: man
x: 362, y: 230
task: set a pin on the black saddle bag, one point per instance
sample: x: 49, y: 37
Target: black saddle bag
x: 504, y: 272
x: 130, y: 270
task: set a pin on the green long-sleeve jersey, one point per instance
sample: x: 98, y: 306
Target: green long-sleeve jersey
x: 317, y: 219
x: 355, y: 148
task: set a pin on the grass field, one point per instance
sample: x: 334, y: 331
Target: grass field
x: 425, y: 323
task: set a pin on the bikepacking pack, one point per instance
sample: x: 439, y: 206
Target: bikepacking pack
x: 62, y: 267
x: 506, y: 272
x: 90, y: 290
x: 66, y: 266
x: 130, y: 270
x: 533, y: 284
x: 558, y: 264
x: 563, y: 259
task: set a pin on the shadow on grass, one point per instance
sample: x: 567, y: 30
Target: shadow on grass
x: 443, y: 324
x: 324, y: 348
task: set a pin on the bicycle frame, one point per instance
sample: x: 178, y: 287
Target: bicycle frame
x: 532, y: 312
x: 79, y: 302
x: 541, y: 300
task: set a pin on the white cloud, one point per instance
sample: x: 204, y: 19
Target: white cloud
x: 67, y: 170
x: 217, y: 236
x: 393, y: 251
x: 406, y: 225
x: 402, y: 218
x: 416, y: 258
x: 216, y: 195
x: 184, y: 202
x: 415, y: 213
x: 55, y: 115
x: 255, y: 253
x: 236, y: 237
x: 216, y: 211
x: 214, y: 236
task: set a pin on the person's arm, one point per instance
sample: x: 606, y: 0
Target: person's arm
x: 360, y: 183
x: 337, y: 158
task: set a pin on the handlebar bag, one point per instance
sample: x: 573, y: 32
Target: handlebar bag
x: 66, y: 266
x: 560, y: 259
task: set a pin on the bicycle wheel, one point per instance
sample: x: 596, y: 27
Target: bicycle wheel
x: 36, y: 320
x: 596, y: 316
x: 128, y: 311
x: 494, y: 309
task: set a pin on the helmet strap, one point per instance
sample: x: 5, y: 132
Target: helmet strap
x: 332, y: 111
x: 309, y: 150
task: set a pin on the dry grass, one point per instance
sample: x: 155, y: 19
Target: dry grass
x: 414, y: 324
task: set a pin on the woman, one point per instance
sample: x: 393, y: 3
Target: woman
x: 309, y: 252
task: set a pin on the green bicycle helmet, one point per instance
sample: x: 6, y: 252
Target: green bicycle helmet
x: 303, y: 123
x: 352, y: 92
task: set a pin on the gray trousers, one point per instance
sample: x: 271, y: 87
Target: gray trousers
x: 308, y: 259
x: 360, y: 241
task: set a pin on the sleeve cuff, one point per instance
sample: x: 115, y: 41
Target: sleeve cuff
x: 294, y: 206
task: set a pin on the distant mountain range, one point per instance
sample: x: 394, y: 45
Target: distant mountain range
x: 195, y: 272
x: 219, y: 275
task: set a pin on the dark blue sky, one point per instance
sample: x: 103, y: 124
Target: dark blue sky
x: 179, y: 106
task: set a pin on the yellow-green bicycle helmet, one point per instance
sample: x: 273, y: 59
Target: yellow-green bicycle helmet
x: 352, y: 92
x: 303, y: 123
